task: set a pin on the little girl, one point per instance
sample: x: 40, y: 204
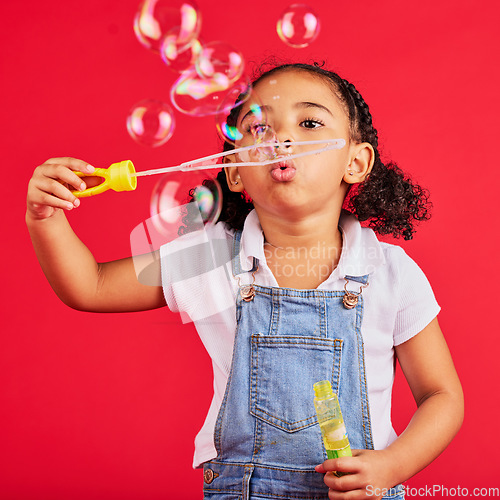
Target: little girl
x: 308, y: 294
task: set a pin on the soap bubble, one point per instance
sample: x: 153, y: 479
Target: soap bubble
x: 231, y: 106
x: 298, y: 26
x: 218, y: 70
x: 185, y: 201
x: 197, y: 96
x: 151, y: 122
x: 179, y: 56
x: 265, y: 142
x: 157, y: 19
x: 219, y: 58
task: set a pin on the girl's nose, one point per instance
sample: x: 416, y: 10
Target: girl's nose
x: 284, y: 146
x: 283, y: 136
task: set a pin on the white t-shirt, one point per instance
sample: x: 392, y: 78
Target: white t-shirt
x: 198, y: 282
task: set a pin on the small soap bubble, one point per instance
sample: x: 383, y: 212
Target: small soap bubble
x: 185, y: 201
x: 196, y: 96
x: 179, y: 56
x: 230, y: 109
x: 204, y: 197
x: 156, y: 19
x: 219, y: 58
x: 265, y: 142
x: 151, y: 122
x: 298, y: 26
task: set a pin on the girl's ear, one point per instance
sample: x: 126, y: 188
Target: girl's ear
x: 234, y: 182
x: 361, y: 164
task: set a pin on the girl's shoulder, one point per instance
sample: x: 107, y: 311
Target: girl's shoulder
x: 397, y: 259
x: 412, y: 296
x: 407, y: 278
x: 401, y: 270
x: 363, y: 252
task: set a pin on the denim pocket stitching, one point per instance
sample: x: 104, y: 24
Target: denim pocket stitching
x: 334, y: 346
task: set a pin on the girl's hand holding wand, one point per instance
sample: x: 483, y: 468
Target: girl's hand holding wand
x: 49, y: 189
x: 72, y: 271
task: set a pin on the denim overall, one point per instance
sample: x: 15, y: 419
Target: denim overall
x: 266, y: 435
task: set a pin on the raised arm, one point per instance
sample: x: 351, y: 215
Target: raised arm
x: 73, y: 273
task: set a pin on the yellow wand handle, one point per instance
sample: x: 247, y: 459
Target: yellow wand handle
x: 118, y: 177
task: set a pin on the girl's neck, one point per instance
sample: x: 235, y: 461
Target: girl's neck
x: 301, y: 254
x: 303, y: 233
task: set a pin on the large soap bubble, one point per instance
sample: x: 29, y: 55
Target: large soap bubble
x: 156, y: 19
x: 179, y: 56
x: 298, y: 26
x: 185, y: 201
x: 151, y: 122
x: 197, y: 96
x: 218, y: 70
x: 220, y: 58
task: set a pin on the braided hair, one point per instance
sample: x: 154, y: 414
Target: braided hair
x: 387, y: 199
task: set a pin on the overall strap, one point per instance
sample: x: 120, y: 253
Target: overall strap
x: 236, y: 260
x: 359, y: 279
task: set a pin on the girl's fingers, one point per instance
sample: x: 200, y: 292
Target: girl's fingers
x: 50, y: 186
x: 58, y: 173
x: 72, y: 163
x: 54, y: 187
x: 48, y: 200
x: 347, y: 482
x: 342, y: 464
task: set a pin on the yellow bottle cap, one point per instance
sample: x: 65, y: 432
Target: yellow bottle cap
x: 323, y: 389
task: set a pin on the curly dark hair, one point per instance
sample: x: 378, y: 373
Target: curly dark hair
x: 388, y: 200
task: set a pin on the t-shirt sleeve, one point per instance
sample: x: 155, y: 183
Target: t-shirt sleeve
x: 191, y: 266
x: 166, y: 279
x: 417, y: 303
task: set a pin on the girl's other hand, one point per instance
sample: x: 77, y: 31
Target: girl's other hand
x: 368, y: 475
x: 49, y: 189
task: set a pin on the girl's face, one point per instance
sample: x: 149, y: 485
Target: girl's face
x: 299, y: 107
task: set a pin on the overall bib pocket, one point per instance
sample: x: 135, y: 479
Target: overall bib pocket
x: 278, y: 383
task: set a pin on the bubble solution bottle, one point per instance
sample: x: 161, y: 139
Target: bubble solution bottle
x: 330, y: 421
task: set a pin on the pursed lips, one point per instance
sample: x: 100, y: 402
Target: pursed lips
x: 284, y: 171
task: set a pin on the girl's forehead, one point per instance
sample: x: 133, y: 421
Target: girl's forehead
x: 291, y: 86
x: 294, y: 82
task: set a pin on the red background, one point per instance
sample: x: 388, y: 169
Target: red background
x: 96, y: 406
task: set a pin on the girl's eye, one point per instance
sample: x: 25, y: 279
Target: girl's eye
x: 310, y: 123
x: 258, y: 128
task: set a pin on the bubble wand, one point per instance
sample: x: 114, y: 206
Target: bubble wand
x: 122, y: 176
